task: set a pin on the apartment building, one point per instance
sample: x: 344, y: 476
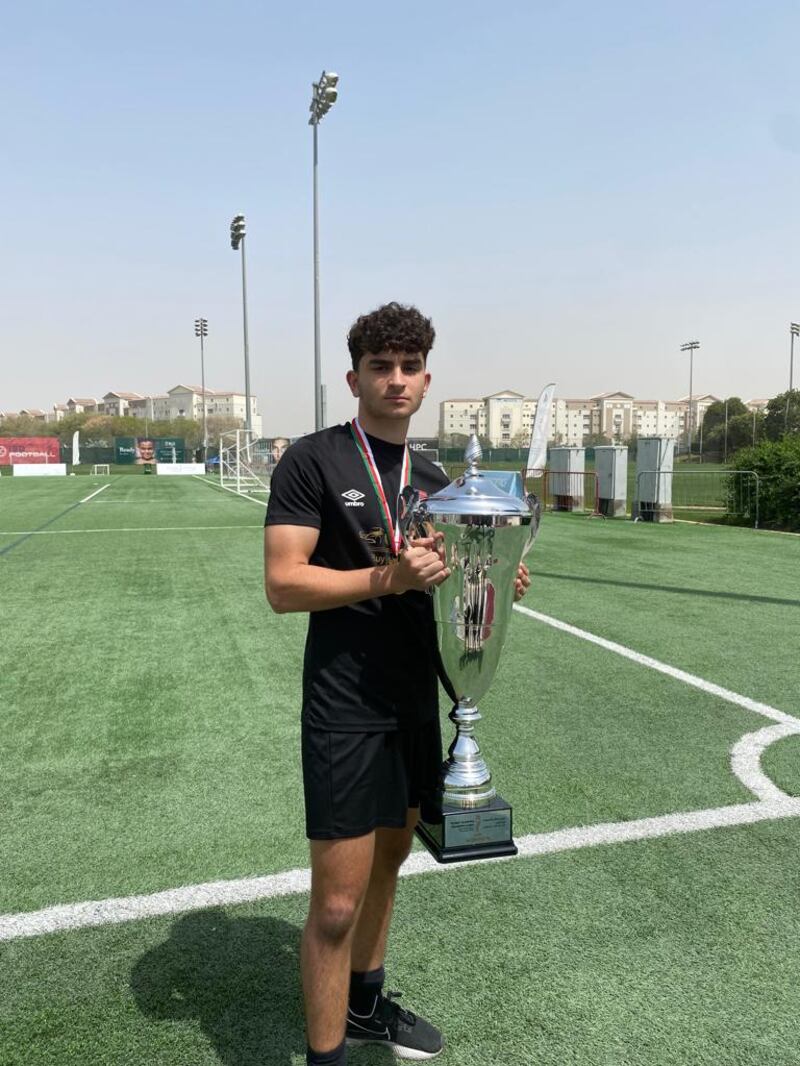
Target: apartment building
x: 181, y: 401
x: 507, y: 417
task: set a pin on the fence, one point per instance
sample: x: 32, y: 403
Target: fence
x: 696, y: 493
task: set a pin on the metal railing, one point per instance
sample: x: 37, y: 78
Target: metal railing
x: 659, y: 494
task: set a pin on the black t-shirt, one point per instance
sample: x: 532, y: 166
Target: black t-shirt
x: 370, y: 665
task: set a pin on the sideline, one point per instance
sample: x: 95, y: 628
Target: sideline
x: 96, y: 492
x: 39, y: 529
x: 95, y: 913
x: 239, y: 495
x: 771, y: 804
x: 119, y: 529
x: 664, y: 668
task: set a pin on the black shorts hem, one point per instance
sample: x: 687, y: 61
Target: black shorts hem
x: 352, y: 834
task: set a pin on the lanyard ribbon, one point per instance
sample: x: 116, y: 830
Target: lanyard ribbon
x: 365, y: 451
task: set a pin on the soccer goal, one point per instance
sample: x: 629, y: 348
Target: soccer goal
x: 246, y: 463
x: 101, y: 468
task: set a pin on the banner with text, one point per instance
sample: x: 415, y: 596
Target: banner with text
x: 141, y: 450
x: 29, y: 450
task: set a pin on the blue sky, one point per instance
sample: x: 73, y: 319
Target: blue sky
x: 570, y: 190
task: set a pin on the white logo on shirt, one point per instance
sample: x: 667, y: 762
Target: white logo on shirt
x: 354, y: 498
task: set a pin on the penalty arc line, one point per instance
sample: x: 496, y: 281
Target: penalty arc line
x: 746, y: 753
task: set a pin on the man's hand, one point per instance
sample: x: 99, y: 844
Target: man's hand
x: 522, y: 582
x: 420, y: 567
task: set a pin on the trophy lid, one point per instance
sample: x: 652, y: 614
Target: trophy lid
x: 473, y: 493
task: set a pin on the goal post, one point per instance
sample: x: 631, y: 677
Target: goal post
x: 102, y: 469
x: 246, y: 463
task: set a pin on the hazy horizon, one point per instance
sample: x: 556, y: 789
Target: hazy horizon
x: 570, y: 192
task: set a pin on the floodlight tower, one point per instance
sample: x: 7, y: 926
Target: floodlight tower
x: 201, y: 331
x: 237, y: 241
x: 324, y: 94
x: 794, y: 331
x: 690, y: 347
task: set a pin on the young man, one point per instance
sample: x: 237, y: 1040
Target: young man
x: 371, y: 745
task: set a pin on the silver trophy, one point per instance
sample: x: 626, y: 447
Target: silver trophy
x: 484, y: 533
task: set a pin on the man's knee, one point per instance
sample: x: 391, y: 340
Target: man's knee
x: 333, y: 918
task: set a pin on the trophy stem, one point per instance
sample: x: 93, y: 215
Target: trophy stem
x: 466, y: 780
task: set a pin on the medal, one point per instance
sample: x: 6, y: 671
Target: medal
x: 365, y: 451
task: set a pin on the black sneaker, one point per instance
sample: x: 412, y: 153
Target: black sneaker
x: 409, y: 1036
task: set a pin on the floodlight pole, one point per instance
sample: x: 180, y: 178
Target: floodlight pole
x: 690, y: 347
x: 324, y: 94
x: 237, y: 241
x: 201, y: 331
x: 794, y: 331
x: 725, y: 457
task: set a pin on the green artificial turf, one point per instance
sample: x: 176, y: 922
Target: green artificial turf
x: 151, y: 706
x: 670, y: 952
x: 150, y: 702
x: 781, y: 763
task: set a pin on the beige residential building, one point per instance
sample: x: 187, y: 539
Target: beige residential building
x: 78, y: 405
x: 182, y: 401
x: 117, y: 403
x: 507, y: 417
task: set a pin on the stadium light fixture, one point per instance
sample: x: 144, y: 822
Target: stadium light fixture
x: 690, y: 347
x: 324, y: 96
x: 201, y: 331
x: 237, y: 242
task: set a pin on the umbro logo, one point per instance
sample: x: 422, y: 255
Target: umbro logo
x: 354, y: 498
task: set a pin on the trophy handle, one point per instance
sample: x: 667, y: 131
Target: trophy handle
x: 535, y: 505
x: 407, y: 505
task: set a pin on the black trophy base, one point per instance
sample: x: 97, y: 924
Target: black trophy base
x: 459, y: 833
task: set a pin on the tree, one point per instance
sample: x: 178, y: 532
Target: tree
x: 777, y: 464
x: 594, y: 440
x: 776, y: 422
x: 25, y: 426
x: 741, y: 429
x: 715, y: 414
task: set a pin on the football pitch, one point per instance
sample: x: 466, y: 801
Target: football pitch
x: 644, y: 723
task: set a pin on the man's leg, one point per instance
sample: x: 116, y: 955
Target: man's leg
x: 373, y: 1017
x: 340, y: 876
x: 391, y: 850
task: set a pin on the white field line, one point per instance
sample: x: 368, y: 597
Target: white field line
x: 118, y: 529
x: 241, y: 495
x: 292, y: 882
x: 664, y: 668
x: 745, y: 759
x: 96, y: 492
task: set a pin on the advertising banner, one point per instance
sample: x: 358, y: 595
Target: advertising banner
x: 142, y: 450
x: 29, y: 450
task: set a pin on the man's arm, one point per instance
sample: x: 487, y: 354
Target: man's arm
x: 292, y: 583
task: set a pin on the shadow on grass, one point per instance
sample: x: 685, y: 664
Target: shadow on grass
x: 237, y: 978
x: 679, y: 589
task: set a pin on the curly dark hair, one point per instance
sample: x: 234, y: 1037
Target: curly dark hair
x: 391, y: 328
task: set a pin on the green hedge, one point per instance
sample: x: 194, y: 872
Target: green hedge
x: 777, y: 464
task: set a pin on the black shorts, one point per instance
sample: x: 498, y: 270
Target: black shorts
x: 356, y: 782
